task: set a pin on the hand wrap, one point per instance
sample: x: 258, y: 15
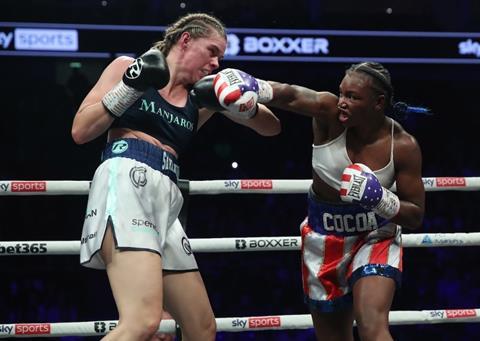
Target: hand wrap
x: 148, y: 70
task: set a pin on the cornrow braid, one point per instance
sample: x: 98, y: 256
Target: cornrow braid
x: 380, y: 76
x: 382, y: 83
x: 199, y: 25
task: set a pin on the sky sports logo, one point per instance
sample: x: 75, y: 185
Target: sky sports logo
x: 469, y: 47
x: 256, y: 184
x: 23, y: 186
x: 264, y: 322
x: 451, y: 182
x: 40, y: 39
x: 32, y: 329
x: 249, y: 184
x: 257, y: 322
x: 460, y: 313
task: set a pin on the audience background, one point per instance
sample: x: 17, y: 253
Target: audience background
x: 39, y: 97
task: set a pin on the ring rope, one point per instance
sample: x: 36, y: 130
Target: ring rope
x: 81, y: 187
x: 15, y: 187
x: 241, y: 244
x: 234, y: 324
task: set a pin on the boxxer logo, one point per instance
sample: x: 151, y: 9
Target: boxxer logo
x: 233, y: 45
x: 135, y: 69
x: 103, y: 327
x: 240, y: 244
x: 100, y: 327
x: 286, y: 45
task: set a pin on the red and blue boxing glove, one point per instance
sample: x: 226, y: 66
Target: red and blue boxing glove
x: 239, y: 93
x: 361, y: 186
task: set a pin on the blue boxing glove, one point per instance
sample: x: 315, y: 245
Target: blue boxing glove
x: 239, y: 93
x: 361, y: 186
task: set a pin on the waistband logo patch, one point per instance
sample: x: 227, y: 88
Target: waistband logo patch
x: 138, y: 176
x: 119, y: 147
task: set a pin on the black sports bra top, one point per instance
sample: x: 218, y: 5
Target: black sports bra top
x: 171, y: 125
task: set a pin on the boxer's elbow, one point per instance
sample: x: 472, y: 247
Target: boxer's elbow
x: 78, y: 135
x: 86, y: 128
x: 274, y: 132
x: 271, y: 127
x: 265, y: 122
x: 82, y: 135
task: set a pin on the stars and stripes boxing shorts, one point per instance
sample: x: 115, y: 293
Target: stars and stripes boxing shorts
x: 332, y: 262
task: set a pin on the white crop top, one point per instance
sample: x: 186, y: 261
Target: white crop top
x: 329, y: 160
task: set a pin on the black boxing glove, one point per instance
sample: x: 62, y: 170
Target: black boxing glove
x: 203, y: 94
x: 148, y: 70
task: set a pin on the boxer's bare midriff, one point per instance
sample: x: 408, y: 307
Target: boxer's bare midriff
x: 323, y: 191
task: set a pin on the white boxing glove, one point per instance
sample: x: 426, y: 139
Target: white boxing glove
x: 239, y: 93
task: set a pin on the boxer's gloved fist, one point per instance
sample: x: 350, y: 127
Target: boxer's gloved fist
x: 148, y: 70
x: 361, y: 186
x: 238, y: 92
x: 204, y: 96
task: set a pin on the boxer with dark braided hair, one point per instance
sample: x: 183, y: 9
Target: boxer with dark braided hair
x: 351, y: 238
x: 151, y: 107
x: 382, y: 84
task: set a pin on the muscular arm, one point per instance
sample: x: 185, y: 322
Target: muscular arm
x: 410, y: 189
x: 92, y: 119
x: 303, y: 100
x: 264, y: 122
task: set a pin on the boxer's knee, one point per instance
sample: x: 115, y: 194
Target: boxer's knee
x: 204, y: 328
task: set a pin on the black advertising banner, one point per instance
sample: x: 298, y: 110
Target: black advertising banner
x: 246, y: 44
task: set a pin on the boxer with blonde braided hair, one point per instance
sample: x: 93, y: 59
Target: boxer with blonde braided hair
x: 151, y: 110
x: 198, y: 25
